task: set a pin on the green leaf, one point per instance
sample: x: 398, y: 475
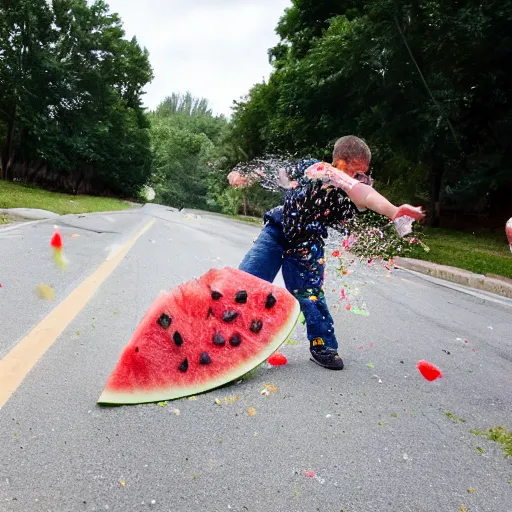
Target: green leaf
x: 454, y: 418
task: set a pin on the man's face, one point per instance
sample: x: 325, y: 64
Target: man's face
x: 353, y: 167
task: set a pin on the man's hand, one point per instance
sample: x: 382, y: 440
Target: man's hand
x: 415, y: 213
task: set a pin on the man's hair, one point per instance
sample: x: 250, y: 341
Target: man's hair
x: 350, y: 148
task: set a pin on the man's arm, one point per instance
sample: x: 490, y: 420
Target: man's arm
x: 367, y: 197
x: 363, y: 196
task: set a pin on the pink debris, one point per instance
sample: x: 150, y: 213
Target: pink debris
x: 236, y: 180
x: 348, y: 242
x: 277, y: 359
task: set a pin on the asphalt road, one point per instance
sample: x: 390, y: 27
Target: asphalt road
x: 374, y: 437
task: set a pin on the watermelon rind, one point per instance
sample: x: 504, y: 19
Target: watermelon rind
x: 171, y: 393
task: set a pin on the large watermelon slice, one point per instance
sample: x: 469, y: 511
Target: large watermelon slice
x: 201, y: 335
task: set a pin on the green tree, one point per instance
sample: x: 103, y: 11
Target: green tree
x: 426, y: 83
x: 27, y: 72
x: 71, y: 96
x: 184, y: 138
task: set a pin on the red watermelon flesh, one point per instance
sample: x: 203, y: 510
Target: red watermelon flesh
x: 428, y: 370
x: 201, y: 335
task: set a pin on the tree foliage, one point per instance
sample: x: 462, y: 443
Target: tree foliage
x: 185, y: 136
x: 70, y: 97
x: 426, y: 83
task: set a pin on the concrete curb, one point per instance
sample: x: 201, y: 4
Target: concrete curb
x: 38, y: 214
x: 29, y: 213
x: 17, y: 225
x: 498, y: 285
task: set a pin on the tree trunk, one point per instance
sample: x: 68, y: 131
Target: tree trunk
x: 435, y: 179
x: 245, y: 202
x: 7, y: 156
x: 78, y: 182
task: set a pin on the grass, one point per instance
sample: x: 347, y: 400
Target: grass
x: 500, y: 435
x: 14, y: 195
x: 254, y: 221
x: 484, y: 252
x: 3, y: 219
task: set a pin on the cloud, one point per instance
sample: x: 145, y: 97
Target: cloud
x: 215, y: 49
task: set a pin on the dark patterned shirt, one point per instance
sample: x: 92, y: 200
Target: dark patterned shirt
x: 310, y: 209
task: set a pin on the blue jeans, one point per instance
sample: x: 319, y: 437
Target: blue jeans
x: 303, y: 271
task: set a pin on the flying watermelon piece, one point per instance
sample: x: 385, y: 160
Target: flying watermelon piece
x: 201, y: 335
x: 277, y: 359
x: 428, y: 370
x: 56, y: 240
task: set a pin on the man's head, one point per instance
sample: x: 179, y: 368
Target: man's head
x: 351, y: 155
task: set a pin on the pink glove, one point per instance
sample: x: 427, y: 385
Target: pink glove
x: 407, y: 210
x: 508, y: 231
x: 331, y: 176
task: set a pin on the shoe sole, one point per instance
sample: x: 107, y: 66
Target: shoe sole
x: 327, y: 366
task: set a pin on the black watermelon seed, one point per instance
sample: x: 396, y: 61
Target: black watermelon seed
x: 241, y: 297
x: 229, y: 316
x: 219, y: 340
x: 204, y: 358
x: 235, y: 340
x: 210, y: 313
x: 183, y: 367
x: 178, y: 338
x: 256, y: 326
x: 216, y: 295
x: 270, y: 302
x: 136, y: 349
x: 164, y: 321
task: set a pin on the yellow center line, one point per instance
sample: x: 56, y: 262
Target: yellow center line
x: 15, y: 366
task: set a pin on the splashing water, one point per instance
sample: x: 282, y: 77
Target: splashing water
x: 372, y: 240
x: 373, y: 235
x: 272, y: 172
x: 347, y: 275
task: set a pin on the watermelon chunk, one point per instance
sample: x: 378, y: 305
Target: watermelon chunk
x: 201, y: 335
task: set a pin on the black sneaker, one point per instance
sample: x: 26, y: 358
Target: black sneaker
x: 328, y: 358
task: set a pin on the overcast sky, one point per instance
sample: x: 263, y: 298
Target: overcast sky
x: 215, y: 49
